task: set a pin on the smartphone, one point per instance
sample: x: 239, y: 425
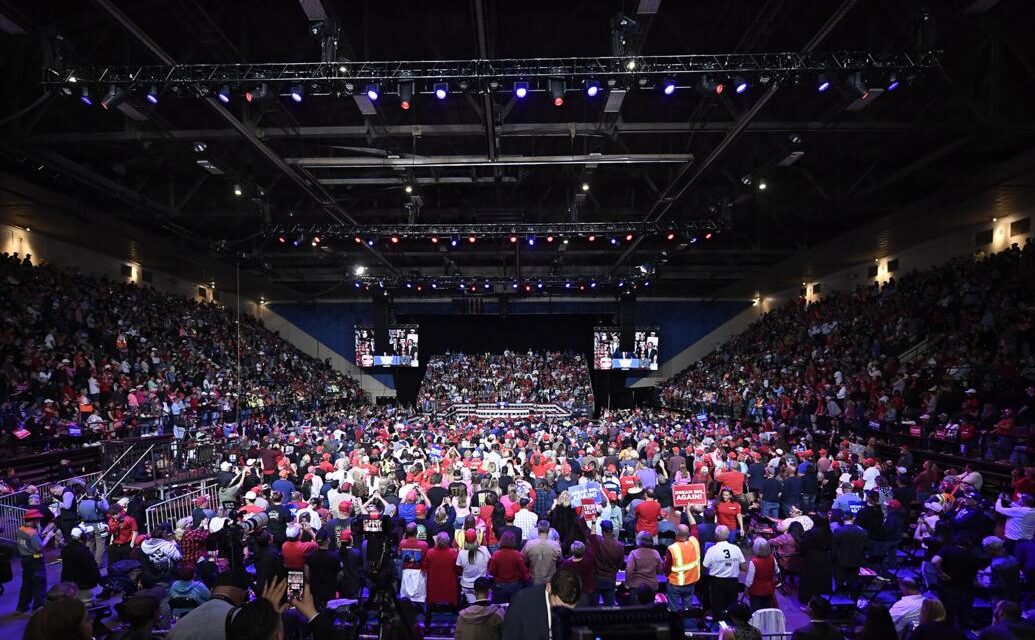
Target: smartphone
x: 294, y: 585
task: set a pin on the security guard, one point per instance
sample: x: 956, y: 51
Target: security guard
x: 34, y: 570
x: 683, y: 565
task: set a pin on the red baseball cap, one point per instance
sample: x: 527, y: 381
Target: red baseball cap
x: 470, y: 535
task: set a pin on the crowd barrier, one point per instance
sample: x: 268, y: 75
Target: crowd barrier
x: 14, y: 505
x: 174, y: 509
x: 491, y: 410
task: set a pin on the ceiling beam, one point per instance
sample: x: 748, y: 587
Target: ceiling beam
x: 484, y: 161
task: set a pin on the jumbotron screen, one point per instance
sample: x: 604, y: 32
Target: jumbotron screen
x: 401, y: 350
x: 607, y: 353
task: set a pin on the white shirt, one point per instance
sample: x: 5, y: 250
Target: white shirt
x: 723, y: 560
x: 1020, y: 521
x: 906, y: 611
x: 528, y: 522
x: 870, y: 477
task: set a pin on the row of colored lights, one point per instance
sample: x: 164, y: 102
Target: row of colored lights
x: 530, y: 239
x: 527, y: 286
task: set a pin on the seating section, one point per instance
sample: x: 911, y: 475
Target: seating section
x: 100, y: 354
x: 550, y: 377
x: 968, y: 322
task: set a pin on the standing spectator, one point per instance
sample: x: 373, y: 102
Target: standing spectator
x: 442, y: 572
x: 481, y: 620
x: 609, y: 556
x: 530, y: 617
x: 724, y: 562
x: 542, y: 554
x: 1020, y: 519
x: 728, y: 513
x: 93, y: 512
x: 849, y: 549
x: 508, y: 570
x: 817, y: 575
x: 771, y: 490
x: 414, y: 554
x: 324, y: 564
x: 643, y: 565
x: 473, y: 561
x: 647, y: 514
x: 526, y: 520
x: 78, y: 565
x: 906, y: 610
x: 583, y: 564
x: 123, y: 530
x: 957, y: 567
x: 763, y: 574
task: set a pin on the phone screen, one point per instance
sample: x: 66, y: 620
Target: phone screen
x: 294, y: 585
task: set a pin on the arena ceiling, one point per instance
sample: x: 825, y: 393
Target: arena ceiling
x: 173, y: 169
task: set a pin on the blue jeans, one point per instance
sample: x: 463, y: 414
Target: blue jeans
x: 606, y: 589
x: 33, y: 591
x: 502, y: 592
x: 770, y: 509
x: 679, y: 597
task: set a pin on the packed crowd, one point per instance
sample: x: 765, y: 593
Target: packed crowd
x: 551, y: 377
x: 497, y: 518
x: 88, y: 356
x: 837, y: 360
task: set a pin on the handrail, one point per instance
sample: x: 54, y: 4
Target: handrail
x: 112, y: 466
x: 179, y: 507
x: 128, y: 471
x: 912, y: 352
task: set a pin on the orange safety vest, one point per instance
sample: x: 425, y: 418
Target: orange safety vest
x: 686, y: 562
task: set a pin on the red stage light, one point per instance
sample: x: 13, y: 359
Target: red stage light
x: 628, y: 237
x: 719, y: 88
x: 434, y: 239
x: 558, y: 102
x: 708, y: 236
x: 405, y: 104
x: 358, y: 240
x: 471, y: 239
x: 395, y: 239
x: 513, y: 239
x: 671, y: 235
x: 549, y: 238
x: 592, y: 238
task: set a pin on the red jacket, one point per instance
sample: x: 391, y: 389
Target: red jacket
x: 508, y: 565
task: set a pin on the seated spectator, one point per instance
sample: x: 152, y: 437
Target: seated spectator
x: 65, y: 619
x: 906, y: 610
x: 187, y: 592
x: 933, y: 625
x: 818, y: 627
x: 1007, y: 624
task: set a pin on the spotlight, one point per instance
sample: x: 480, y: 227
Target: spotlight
x: 281, y: 239
x: 585, y: 186
x: 370, y: 242
x: 394, y: 239
x: 892, y: 81
x: 631, y: 65
x: 373, y: 92
x: 487, y: 285
x: 593, y: 284
x: 740, y: 85
x: 357, y: 284
x: 434, y: 239
x: 455, y: 240
x: 520, y: 89
x: 557, y: 91
x: 549, y: 238
x: 441, y: 90
x: 693, y: 240
x: 539, y: 285
x: 762, y: 185
x: 628, y: 237
x: 472, y: 239
x: 113, y: 98
x: 528, y: 287
x: 513, y: 239
x: 592, y: 88
x: 719, y: 88
x: 224, y: 94
x: 237, y: 190
x: 708, y: 236
x: 316, y: 240
x: 671, y: 236
x: 359, y: 270
x: 85, y: 97
x: 514, y: 285
x: 567, y: 284
x: 409, y: 188
x: 199, y: 146
x: 409, y: 285
x: 531, y: 240
x: 592, y: 238
x: 358, y: 240
x: 822, y: 83
x: 297, y: 92
x: 614, y: 241
x: 668, y: 86
x: 405, y: 94
x: 152, y: 95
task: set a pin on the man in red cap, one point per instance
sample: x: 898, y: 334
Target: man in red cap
x: 34, y: 571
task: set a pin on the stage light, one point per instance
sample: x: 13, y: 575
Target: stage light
x: 409, y: 285
x: 585, y: 187
x: 592, y: 238
x: 565, y: 241
x: 316, y: 240
x: 513, y: 239
x: 434, y: 285
x: 199, y: 147
x: 693, y: 240
x: 646, y: 283
x: 370, y: 242
x: 357, y: 284
x: 593, y: 284
x: 358, y: 240
x: 740, y: 85
x: 592, y: 88
x: 531, y: 240
x: 281, y: 239
x: 762, y: 185
x: 708, y: 236
x: 668, y: 86
x: 434, y: 239
x: 441, y: 90
x: 567, y: 284
x: 614, y: 241
x: 628, y: 237
x: 455, y: 240
x: 671, y: 235
x: 373, y: 92
x: 85, y: 97
x: 394, y: 239
x: 152, y: 94
x: 297, y: 92
x: 314, y: 243
x: 822, y: 83
x: 631, y: 65
x: 520, y: 89
x: 549, y: 238
x: 892, y: 81
x: 621, y: 283
x: 528, y: 287
x: 237, y: 190
x: 114, y: 97
x: 409, y: 188
x: 557, y: 91
x: 224, y: 94
x: 472, y: 239
x: 298, y: 241
x: 719, y: 88
x: 405, y: 94
x: 539, y: 285
x: 487, y: 285
x: 514, y: 285
x: 359, y: 270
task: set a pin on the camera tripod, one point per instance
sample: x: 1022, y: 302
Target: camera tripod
x: 393, y: 623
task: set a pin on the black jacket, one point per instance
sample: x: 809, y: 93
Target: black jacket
x: 527, y: 617
x: 78, y: 566
x: 818, y: 630
x: 849, y: 546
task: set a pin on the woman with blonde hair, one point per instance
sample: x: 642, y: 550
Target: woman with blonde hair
x: 933, y: 625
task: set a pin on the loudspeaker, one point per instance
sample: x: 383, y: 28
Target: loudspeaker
x: 627, y: 321
x: 382, y: 318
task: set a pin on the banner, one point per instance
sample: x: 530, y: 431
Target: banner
x: 689, y: 495
x: 435, y: 453
x: 580, y: 492
x: 589, y: 509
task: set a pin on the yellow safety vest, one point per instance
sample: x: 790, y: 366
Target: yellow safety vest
x: 686, y: 562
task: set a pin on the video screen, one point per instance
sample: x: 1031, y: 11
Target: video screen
x: 607, y: 353
x: 401, y: 351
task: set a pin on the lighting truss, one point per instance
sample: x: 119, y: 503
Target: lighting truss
x: 328, y: 78
x: 559, y: 229
x: 553, y: 284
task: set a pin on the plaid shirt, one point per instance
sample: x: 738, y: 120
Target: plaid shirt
x: 193, y: 546
x: 543, y: 501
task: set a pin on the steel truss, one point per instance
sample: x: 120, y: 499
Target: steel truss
x: 344, y: 77
x: 482, y: 230
x: 501, y: 284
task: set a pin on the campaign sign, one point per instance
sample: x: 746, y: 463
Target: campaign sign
x: 580, y: 492
x: 435, y: 453
x: 589, y: 509
x: 689, y: 495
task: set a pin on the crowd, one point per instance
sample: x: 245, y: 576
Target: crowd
x: 550, y: 377
x: 83, y: 358
x: 838, y: 359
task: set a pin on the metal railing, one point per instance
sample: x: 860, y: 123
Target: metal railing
x: 172, y: 510
x: 915, y: 351
x: 14, y: 505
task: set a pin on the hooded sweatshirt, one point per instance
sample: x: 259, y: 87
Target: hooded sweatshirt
x: 162, y: 553
x: 482, y: 621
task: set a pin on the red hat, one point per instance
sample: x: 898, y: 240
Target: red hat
x: 894, y: 504
x: 33, y: 514
x: 345, y: 506
x: 612, y: 496
x: 421, y: 509
x: 470, y: 535
x: 345, y: 535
